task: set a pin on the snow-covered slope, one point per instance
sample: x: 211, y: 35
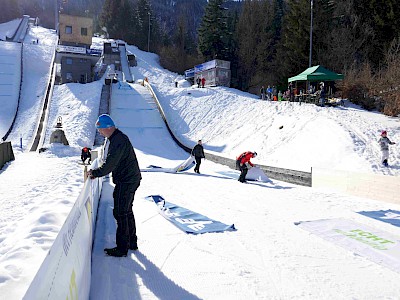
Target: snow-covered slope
x: 268, y: 257
x: 230, y: 122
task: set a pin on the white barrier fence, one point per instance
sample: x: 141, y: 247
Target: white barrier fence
x: 373, y: 186
x: 66, y: 271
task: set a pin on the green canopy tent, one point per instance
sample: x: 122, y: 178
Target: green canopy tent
x: 316, y: 73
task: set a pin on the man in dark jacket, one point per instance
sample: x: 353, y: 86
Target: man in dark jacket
x: 122, y: 162
x: 198, y: 153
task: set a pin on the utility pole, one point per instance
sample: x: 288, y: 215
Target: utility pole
x: 56, y: 15
x: 148, y: 36
x: 311, y: 30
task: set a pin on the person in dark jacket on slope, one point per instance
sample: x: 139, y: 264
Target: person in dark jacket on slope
x: 198, y: 153
x: 241, y: 161
x: 122, y: 162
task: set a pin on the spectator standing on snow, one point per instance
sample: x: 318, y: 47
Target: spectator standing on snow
x: 269, y: 93
x: 203, y: 82
x: 322, y: 95
x: 291, y: 92
x: 241, y: 161
x: 280, y: 96
x: 262, y: 93
x: 198, y: 81
x: 274, y: 93
x: 384, y: 142
x: 122, y: 162
x: 198, y: 153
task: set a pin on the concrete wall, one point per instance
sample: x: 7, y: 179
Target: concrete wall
x: 6, y: 153
x: 81, y: 69
x: 373, y: 186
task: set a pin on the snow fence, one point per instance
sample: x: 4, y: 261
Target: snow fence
x: 66, y: 271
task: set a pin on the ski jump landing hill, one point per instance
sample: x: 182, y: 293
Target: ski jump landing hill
x: 66, y: 270
x: 126, y: 72
x: 373, y: 186
x: 10, y: 76
x: 10, y: 81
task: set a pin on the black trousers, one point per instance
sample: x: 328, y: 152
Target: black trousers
x: 123, y: 195
x: 243, y: 171
x: 198, y: 163
x: 85, y: 156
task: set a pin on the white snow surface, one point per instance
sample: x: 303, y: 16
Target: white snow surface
x: 268, y: 257
x: 8, y: 29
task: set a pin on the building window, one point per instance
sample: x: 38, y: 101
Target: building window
x: 83, y: 31
x: 68, y: 29
x: 68, y: 76
x: 69, y: 61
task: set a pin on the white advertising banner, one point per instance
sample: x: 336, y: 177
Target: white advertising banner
x: 378, y: 246
x: 65, y: 273
x: 182, y: 167
x: 71, y: 49
x: 256, y: 174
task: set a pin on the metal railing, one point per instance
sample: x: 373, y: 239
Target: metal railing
x: 42, y: 122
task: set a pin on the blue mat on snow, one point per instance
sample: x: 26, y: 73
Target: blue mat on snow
x: 187, y: 220
x: 388, y: 216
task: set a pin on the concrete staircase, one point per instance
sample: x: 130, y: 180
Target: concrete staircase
x: 103, y: 109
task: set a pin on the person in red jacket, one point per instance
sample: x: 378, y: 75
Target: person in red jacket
x: 241, y: 161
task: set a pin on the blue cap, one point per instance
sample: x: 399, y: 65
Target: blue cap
x: 104, y: 121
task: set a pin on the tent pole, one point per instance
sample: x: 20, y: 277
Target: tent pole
x: 311, y: 30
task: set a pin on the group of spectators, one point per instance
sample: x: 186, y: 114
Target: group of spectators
x: 270, y: 94
x: 273, y: 94
x: 200, y: 82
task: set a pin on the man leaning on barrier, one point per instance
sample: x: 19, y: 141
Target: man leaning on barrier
x: 122, y: 162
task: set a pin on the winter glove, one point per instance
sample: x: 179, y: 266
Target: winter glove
x: 90, y: 175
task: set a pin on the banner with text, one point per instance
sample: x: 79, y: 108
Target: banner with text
x: 66, y: 271
x: 388, y: 216
x: 378, y: 246
x: 182, y: 167
x: 186, y: 220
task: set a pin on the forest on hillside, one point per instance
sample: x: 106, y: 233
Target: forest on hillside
x: 266, y: 41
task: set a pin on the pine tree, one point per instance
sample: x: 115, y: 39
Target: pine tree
x: 382, y: 16
x: 109, y: 17
x: 256, y: 42
x: 294, y: 56
x: 346, y: 38
x: 9, y: 10
x: 213, y: 33
x: 145, y: 20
